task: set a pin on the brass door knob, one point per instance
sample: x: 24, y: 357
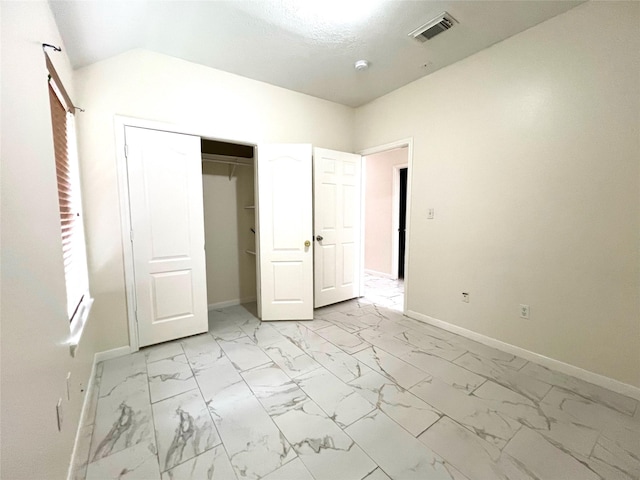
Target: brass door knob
x: 307, y: 243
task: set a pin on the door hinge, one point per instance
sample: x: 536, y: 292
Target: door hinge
x: 131, y: 235
x: 126, y: 150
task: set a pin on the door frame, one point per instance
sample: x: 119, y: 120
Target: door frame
x: 119, y: 124
x: 395, y: 217
x: 406, y: 142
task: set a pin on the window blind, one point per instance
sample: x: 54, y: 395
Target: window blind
x: 69, y: 202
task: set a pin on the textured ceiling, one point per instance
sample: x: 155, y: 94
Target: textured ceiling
x: 304, y: 45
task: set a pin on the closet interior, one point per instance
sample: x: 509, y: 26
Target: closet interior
x: 228, y: 180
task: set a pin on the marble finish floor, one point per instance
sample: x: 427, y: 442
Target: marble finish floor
x: 360, y: 392
x: 384, y: 292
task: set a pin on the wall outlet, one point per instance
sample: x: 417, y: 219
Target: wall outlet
x: 59, y: 414
x: 465, y: 297
x: 430, y: 213
x: 524, y: 311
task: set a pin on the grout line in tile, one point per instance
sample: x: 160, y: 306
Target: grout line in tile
x: 441, y: 417
x: 153, y: 425
x: 485, y: 381
x: 175, y: 395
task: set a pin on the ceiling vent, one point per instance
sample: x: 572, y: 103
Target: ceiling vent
x: 441, y: 23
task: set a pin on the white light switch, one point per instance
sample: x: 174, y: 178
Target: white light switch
x: 430, y: 213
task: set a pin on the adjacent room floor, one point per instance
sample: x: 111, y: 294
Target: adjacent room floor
x: 360, y: 392
x: 384, y: 292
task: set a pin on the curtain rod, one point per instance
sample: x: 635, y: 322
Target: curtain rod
x: 56, y: 78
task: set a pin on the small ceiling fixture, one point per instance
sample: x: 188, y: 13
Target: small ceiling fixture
x: 361, y: 65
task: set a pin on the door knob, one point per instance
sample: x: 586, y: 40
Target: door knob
x: 319, y: 237
x: 307, y: 243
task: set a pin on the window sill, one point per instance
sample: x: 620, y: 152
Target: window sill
x: 78, y: 323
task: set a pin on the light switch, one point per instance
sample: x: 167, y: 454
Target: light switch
x: 430, y: 214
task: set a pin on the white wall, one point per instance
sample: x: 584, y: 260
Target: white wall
x: 231, y: 272
x: 35, y: 326
x: 380, y: 208
x: 529, y: 152
x: 214, y: 103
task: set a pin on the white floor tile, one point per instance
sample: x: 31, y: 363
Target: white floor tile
x: 312, y: 400
x: 397, y: 452
x: 290, y: 358
x: 327, y: 452
x: 184, y: 428
x: 170, y: 377
x: 474, y: 413
x: 342, y: 339
x: 543, y: 460
x: 340, y: 401
x: 413, y: 414
x: 243, y: 353
x: 139, y: 462
x: 294, y: 470
x: 391, y: 367
x: 213, y: 464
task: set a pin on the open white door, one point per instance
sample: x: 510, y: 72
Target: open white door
x: 165, y: 199
x: 337, y: 225
x: 285, y: 251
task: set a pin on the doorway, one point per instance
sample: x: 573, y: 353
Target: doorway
x: 386, y: 202
x: 402, y: 221
x: 228, y: 187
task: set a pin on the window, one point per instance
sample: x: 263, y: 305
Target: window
x: 70, y: 203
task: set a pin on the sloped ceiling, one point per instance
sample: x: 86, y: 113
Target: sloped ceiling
x: 304, y: 45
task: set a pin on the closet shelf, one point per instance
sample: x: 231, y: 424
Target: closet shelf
x: 250, y: 207
x: 250, y: 252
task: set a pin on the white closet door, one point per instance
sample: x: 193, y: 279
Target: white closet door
x: 285, y: 232
x: 165, y: 197
x: 337, y: 204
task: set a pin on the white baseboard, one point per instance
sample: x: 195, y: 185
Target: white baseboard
x: 379, y: 274
x: 231, y: 303
x: 566, y: 368
x: 81, y: 422
x: 113, y: 353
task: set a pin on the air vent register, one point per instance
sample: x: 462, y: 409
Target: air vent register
x: 441, y: 23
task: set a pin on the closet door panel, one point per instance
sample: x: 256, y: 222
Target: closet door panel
x: 165, y: 200
x: 284, y: 212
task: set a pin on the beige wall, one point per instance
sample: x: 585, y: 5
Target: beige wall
x: 231, y: 272
x: 379, y: 210
x: 529, y: 152
x: 34, y: 322
x: 214, y: 104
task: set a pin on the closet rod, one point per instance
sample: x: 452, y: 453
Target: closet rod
x: 227, y: 162
x: 206, y: 157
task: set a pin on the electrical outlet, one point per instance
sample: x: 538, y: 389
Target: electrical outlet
x: 430, y: 213
x: 465, y: 297
x: 524, y: 311
x: 59, y: 414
